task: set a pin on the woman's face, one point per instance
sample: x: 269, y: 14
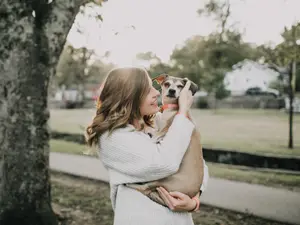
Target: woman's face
x: 150, y: 105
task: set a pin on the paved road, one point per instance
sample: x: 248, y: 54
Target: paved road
x: 271, y: 203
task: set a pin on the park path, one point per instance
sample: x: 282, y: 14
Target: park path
x: 266, y: 202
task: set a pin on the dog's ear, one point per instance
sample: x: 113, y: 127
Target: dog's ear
x: 194, y: 87
x: 161, y: 78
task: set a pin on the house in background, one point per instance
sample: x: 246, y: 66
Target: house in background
x: 248, y: 74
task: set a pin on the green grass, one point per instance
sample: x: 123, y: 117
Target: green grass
x: 67, y: 147
x: 238, y: 173
x: 258, y: 131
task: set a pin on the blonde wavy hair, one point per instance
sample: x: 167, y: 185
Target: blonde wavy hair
x: 124, y: 89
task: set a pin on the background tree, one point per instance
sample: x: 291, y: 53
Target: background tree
x: 205, y: 60
x: 72, y: 68
x: 285, y: 58
x: 151, y: 57
x: 188, y: 59
x: 97, y: 71
x: 223, y: 48
x: 220, y: 11
x: 32, y: 37
x: 156, y: 66
x: 202, y: 58
x: 80, y: 66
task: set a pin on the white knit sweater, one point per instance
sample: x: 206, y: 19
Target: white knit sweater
x: 132, y: 156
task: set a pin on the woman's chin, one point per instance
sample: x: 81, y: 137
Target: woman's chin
x: 154, y: 110
x: 157, y: 108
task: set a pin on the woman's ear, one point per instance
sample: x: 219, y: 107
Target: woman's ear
x: 161, y: 78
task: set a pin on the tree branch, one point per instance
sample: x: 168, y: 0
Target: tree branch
x: 59, y: 22
x: 281, y: 70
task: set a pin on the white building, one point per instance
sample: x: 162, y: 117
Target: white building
x: 248, y: 74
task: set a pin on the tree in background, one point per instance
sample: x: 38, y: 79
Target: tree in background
x: 205, y: 60
x: 188, y: 59
x: 285, y: 58
x: 151, y: 57
x: 215, y: 85
x: 32, y: 37
x: 72, y: 68
x: 156, y: 66
x: 202, y: 58
x: 285, y: 52
x: 220, y: 11
x: 97, y: 71
x: 80, y: 67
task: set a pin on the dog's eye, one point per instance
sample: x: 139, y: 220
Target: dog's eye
x: 166, y: 85
x: 180, y: 86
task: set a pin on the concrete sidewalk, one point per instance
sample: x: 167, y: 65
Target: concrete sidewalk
x: 266, y: 202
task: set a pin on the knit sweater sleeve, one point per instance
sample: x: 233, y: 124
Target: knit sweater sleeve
x: 135, y: 155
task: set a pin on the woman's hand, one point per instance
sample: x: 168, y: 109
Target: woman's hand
x: 185, y: 100
x: 197, y: 195
x: 177, y: 201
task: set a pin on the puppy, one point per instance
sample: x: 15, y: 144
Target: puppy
x: 189, y: 177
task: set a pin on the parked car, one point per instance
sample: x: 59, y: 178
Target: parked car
x: 256, y: 91
x: 69, y: 98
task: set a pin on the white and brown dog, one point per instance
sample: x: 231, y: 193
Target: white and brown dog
x: 189, y: 177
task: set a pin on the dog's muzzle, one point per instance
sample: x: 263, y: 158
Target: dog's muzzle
x: 171, y: 93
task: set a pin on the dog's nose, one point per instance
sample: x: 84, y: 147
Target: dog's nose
x: 172, y: 91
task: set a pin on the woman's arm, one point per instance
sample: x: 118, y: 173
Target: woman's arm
x: 136, y: 155
x: 178, y: 201
x: 202, y: 188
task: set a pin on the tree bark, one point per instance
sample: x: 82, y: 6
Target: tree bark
x: 32, y: 36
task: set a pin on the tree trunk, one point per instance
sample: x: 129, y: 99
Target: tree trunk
x: 29, y: 51
x: 291, y: 98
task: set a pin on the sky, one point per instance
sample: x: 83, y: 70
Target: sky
x: 161, y: 25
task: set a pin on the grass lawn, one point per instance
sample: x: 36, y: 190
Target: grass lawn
x: 238, y: 173
x: 260, y: 131
x: 81, y: 201
x: 67, y: 147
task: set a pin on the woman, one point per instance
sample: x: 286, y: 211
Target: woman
x: 123, y: 120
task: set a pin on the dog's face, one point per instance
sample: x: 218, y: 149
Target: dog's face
x: 172, y: 86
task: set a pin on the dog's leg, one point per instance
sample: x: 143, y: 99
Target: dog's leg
x: 156, y: 198
x: 149, y: 190
x: 143, y: 188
